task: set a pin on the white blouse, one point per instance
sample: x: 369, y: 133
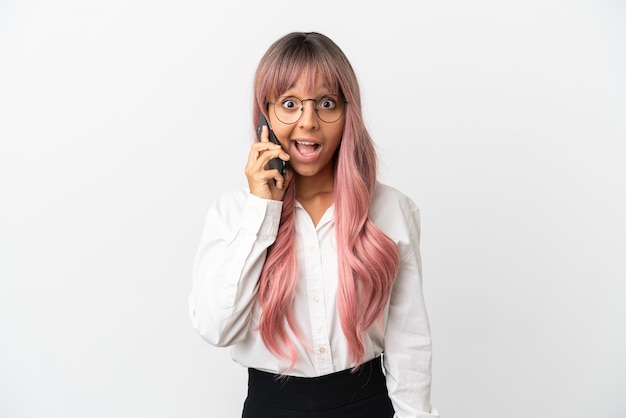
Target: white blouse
x: 224, y: 309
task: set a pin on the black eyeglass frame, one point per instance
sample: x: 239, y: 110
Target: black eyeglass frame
x: 323, y: 96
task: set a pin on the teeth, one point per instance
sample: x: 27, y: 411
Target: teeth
x: 307, y: 147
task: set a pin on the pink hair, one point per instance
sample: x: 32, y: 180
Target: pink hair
x: 367, y: 258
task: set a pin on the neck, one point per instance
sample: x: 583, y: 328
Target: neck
x: 310, y: 186
x: 315, y: 193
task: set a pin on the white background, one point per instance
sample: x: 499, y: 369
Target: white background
x: 120, y: 121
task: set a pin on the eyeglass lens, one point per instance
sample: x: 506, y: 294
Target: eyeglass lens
x: 288, y: 109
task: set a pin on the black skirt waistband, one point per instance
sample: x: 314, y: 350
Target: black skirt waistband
x: 330, y: 391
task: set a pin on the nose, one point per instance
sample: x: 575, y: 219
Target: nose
x: 309, y: 115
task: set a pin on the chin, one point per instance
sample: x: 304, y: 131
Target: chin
x: 309, y: 172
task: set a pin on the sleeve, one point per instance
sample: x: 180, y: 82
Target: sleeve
x: 407, y: 352
x: 238, y: 230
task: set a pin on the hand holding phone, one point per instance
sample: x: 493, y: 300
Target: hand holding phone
x: 274, y: 163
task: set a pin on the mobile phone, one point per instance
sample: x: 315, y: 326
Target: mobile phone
x: 275, y: 163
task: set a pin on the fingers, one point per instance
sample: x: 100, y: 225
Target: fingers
x: 262, y: 152
x: 265, y: 182
x: 257, y: 150
x: 264, y: 134
x: 283, y: 182
x: 259, y: 147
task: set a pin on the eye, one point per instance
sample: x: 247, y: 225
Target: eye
x: 290, y: 103
x: 327, y: 103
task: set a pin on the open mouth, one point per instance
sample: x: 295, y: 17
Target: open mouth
x: 307, y: 148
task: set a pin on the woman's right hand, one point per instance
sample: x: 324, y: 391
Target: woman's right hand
x: 266, y: 183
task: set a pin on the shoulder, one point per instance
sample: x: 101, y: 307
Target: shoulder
x: 225, y: 214
x: 231, y: 200
x: 229, y: 205
x: 395, y: 213
x: 387, y: 198
x: 240, y: 207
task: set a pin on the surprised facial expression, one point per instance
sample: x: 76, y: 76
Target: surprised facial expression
x: 310, y: 141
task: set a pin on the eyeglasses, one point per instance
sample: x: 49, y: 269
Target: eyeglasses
x: 288, y: 109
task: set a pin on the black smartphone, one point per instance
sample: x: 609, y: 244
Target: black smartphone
x: 275, y: 163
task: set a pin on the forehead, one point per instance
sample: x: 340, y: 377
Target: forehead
x: 310, y: 80
x: 308, y: 86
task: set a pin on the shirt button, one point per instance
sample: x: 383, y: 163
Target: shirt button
x: 322, y: 350
x: 316, y: 299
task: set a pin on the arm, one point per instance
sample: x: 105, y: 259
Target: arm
x: 238, y: 230
x: 407, y: 354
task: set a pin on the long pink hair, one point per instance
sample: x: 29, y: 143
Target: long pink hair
x: 367, y: 258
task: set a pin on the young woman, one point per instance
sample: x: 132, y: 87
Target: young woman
x: 314, y: 278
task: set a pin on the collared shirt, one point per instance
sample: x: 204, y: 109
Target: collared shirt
x: 224, y: 309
